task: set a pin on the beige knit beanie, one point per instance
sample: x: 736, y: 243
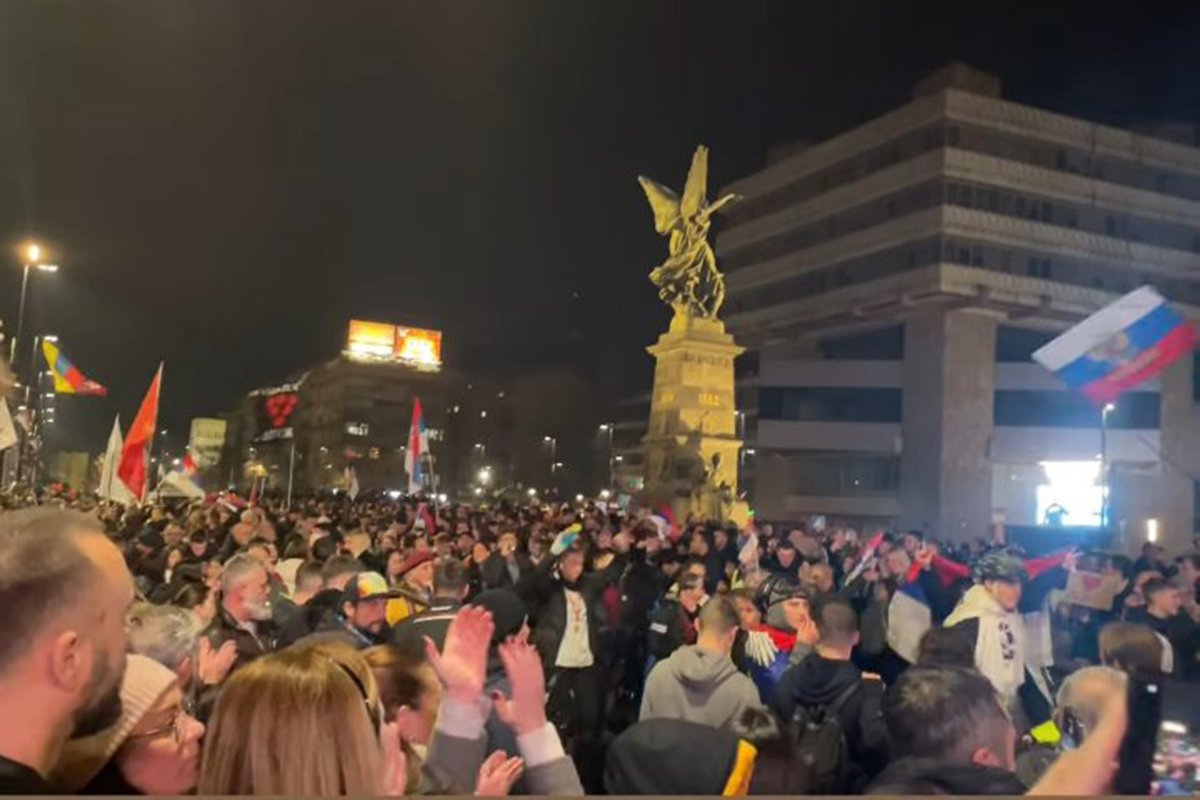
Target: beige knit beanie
x: 81, y: 760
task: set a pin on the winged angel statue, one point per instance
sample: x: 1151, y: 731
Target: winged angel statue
x: 688, y: 279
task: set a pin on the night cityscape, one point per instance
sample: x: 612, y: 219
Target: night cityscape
x: 811, y: 386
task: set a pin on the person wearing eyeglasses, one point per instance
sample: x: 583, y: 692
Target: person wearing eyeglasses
x: 153, y: 749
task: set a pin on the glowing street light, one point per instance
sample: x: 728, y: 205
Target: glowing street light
x: 532, y: 492
x: 485, y: 475
x: 33, y: 259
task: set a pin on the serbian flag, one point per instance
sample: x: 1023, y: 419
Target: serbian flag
x: 426, y: 518
x: 135, y: 455
x: 908, y: 617
x: 418, y: 449
x: 184, y: 479
x: 1119, y: 347
x: 671, y: 530
x: 867, y: 554
x: 68, y: 379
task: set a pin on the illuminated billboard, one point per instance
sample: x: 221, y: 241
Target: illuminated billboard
x: 379, y: 341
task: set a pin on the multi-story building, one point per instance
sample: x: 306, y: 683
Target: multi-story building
x: 355, y: 409
x: 534, y: 431
x: 891, y: 283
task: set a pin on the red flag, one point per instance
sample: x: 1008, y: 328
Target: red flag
x: 135, y: 455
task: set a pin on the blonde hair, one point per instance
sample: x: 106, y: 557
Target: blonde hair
x: 295, y: 723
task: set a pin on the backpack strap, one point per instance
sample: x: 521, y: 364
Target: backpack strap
x: 843, y: 697
x: 801, y: 712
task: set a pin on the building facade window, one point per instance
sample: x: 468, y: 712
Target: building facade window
x: 1016, y: 345
x: 837, y: 475
x: 884, y: 344
x: 830, y: 404
x: 1051, y: 409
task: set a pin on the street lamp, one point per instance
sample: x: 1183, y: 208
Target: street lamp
x: 485, y: 476
x: 1104, y: 412
x: 482, y: 448
x: 553, y: 442
x: 608, y: 428
x: 33, y: 259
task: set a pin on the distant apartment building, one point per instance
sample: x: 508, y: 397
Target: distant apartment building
x: 535, y: 430
x: 891, y: 283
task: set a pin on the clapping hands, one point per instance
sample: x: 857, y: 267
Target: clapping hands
x: 525, y: 711
x: 461, y: 666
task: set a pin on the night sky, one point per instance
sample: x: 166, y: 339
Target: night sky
x: 226, y: 182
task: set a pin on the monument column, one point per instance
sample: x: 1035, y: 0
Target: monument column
x: 691, y: 440
x: 949, y: 383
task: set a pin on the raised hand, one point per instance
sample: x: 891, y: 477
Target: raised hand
x: 807, y: 632
x: 395, y: 763
x: 1071, y: 560
x: 498, y: 774
x: 212, y: 666
x: 525, y: 711
x: 462, y: 664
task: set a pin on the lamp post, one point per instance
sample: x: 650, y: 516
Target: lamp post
x: 33, y: 259
x: 608, y: 427
x: 1104, y: 412
x: 553, y: 442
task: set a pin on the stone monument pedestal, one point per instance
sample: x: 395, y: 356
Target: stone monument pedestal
x: 691, y: 442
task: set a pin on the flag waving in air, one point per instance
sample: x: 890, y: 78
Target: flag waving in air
x: 183, y: 479
x: 1119, y: 347
x: 135, y: 455
x: 68, y: 379
x: 418, y: 449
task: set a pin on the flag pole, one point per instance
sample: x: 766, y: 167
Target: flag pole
x: 291, y: 472
x: 433, y: 484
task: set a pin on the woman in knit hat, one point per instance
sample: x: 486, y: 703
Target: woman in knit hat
x: 153, y: 749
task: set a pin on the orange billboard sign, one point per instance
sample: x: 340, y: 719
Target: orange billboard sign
x: 382, y: 341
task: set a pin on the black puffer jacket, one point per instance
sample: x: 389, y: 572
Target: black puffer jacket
x: 917, y: 776
x: 818, y: 681
x: 544, y: 595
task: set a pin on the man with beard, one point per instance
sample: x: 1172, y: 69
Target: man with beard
x: 245, y: 613
x: 64, y: 591
x: 361, y: 622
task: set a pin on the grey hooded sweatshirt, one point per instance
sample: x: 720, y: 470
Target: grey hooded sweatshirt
x: 698, y: 686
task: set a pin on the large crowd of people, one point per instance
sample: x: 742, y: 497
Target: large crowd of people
x: 385, y: 645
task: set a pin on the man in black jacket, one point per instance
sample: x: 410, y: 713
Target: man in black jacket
x: 245, y: 613
x: 64, y: 594
x: 948, y: 721
x: 1162, y: 614
x: 673, y: 623
x: 361, y: 621
x: 505, y: 568
x: 569, y: 618
x: 824, y: 678
x: 450, y: 582
x: 295, y: 624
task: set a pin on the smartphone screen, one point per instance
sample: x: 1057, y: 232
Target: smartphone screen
x: 1160, y: 754
x: 1177, y: 742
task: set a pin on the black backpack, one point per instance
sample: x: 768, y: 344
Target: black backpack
x: 821, y: 753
